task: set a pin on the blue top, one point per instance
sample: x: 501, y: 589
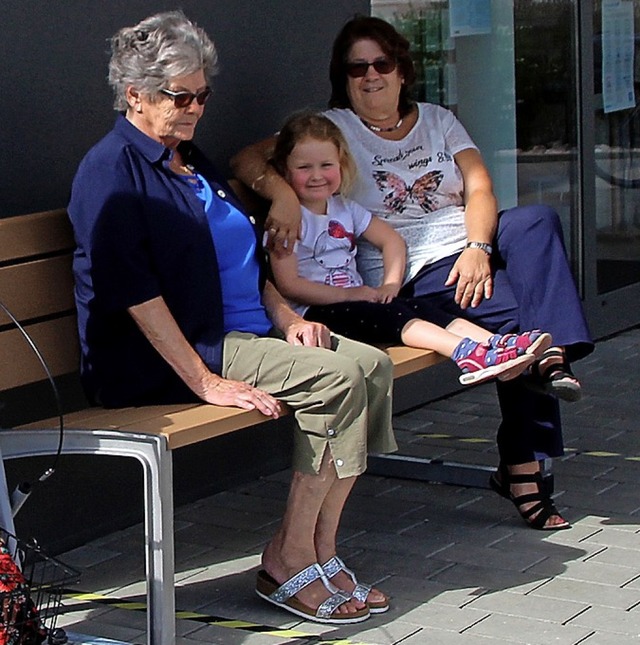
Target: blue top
x: 142, y: 234
x: 237, y: 267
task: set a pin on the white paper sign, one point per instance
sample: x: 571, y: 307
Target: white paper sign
x: 618, y: 36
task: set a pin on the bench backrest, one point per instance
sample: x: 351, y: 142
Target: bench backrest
x: 36, y: 286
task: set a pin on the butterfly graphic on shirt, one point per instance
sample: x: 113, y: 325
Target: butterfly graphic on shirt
x: 334, y: 255
x: 398, y: 194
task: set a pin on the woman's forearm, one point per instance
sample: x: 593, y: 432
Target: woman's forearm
x: 160, y: 328
x: 278, y: 309
x: 481, y: 205
x: 251, y: 166
x: 481, y: 217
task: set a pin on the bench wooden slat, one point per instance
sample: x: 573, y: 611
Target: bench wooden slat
x: 37, y: 288
x: 57, y: 341
x: 182, y: 425
x: 407, y: 360
x: 198, y: 424
x: 25, y: 236
x: 111, y: 418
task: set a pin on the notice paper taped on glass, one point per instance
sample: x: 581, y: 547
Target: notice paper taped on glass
x: 469, y: 17
x: 618, y: 39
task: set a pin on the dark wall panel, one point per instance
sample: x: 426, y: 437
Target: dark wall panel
x: 56, y: 103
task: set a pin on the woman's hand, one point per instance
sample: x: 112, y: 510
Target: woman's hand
x: 251, y: 165
x: 310, y: 334
x: 220, y: 391
x: 283, y: 223
x: 471, y: 274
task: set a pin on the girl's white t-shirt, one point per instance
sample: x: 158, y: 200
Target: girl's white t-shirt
x: 326, y: 250
x: 413, y: 184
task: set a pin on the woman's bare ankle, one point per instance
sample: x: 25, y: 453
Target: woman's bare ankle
x: 281, y: 563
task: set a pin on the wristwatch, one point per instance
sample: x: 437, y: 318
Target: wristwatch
x: 483, y: 246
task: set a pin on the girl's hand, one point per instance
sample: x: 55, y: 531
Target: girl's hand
x: 471, y: 274
x: 387, y: 292
x: 365, y: 293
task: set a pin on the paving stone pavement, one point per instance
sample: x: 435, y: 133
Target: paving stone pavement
x: 458, y: 563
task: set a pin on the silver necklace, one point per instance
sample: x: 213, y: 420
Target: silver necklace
x: 376, y: 128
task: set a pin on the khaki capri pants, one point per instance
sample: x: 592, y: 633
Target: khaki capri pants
x: 341, y: 397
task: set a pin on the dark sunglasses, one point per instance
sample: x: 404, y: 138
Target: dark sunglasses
x: 359, y: 69
x: 185, y: 99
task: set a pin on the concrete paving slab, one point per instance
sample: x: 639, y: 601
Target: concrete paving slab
x: 625, y: 624
x: 529, y: 631
x: 595, y: 594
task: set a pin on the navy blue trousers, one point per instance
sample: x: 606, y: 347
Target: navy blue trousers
x: 533, y: 289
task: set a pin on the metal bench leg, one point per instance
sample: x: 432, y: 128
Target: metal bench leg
x: 156, y: 460
x: 159, y: 547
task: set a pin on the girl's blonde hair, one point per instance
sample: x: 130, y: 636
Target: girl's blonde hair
x: 313, y: 125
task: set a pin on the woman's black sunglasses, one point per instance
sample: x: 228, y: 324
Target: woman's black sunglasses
x: 185, y: 99
x: 359, y: 69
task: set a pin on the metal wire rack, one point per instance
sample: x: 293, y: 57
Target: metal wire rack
x: 31, y: 588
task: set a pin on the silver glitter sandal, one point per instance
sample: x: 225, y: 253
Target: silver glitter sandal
x: 361, y: 592
x: 283, y: 596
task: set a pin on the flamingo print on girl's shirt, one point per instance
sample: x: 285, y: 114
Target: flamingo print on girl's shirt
x: 333, y: 251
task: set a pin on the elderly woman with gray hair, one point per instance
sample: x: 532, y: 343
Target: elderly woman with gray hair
x: 173, y: 306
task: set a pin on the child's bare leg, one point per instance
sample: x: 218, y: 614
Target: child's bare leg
x: 478, y: 361
x: 426, y: 335
x: 466, y: 329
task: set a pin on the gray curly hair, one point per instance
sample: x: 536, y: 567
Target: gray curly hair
x: 157, y: 49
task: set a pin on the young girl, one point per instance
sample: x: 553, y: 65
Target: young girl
x: 321, y: 280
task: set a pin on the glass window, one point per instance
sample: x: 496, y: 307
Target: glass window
x: 512, y: 84
x: 617, y: 143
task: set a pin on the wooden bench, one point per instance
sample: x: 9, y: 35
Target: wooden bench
x: 36, y: 285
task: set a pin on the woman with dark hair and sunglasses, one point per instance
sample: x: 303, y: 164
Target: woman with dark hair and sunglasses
x: 173, y: 306
x: 507, y: 271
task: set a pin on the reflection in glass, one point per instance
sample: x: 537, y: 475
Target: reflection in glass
x: 546, y: 108
x: 617, y: 148
x: 514, y: 90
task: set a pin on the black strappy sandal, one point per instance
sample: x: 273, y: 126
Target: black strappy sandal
x: 556, y: 378
x: 542, y: 510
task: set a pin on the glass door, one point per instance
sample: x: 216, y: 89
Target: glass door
x: 617, y: 143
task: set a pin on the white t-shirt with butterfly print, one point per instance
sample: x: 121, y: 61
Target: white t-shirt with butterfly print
x: 326, y: 250
x: 412, y: 184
